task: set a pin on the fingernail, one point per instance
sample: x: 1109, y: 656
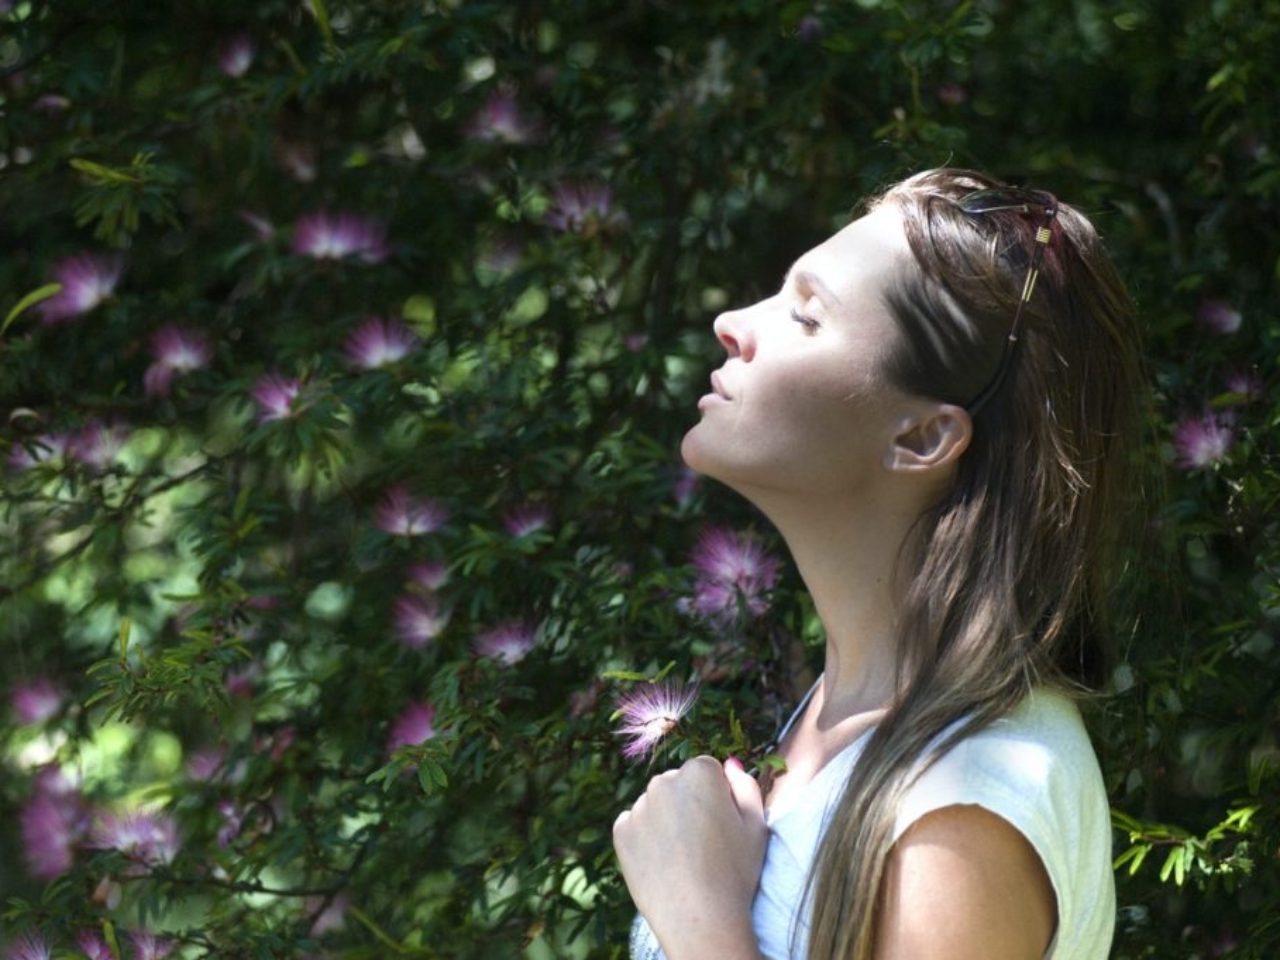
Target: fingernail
x: 735, y: 762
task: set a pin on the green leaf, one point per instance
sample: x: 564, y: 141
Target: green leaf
x: 30, y: 300
x: 103, y: 174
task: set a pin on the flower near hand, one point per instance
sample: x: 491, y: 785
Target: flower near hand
x: 649, y: 711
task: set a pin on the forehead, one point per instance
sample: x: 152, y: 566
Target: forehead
x: 858, y: 262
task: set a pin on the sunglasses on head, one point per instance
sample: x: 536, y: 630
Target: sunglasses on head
x: 1024, y: 201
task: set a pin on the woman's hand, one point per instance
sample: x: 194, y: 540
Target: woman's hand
x: 691, y: 851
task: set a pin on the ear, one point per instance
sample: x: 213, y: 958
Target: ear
x: 929, y: 440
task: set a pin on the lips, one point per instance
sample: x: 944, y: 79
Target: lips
x: 718, y: 387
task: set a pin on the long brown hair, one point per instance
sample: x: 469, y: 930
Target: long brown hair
x: 1009, y: 583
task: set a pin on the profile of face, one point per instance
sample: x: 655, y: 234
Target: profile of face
x: 802, y: 405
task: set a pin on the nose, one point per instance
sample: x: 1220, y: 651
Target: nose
x: 734, y: 332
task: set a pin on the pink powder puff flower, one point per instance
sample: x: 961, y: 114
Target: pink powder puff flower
x: 177, y: 350
x: 415, y: 724
x: 51, y: 824
x: 1202, y: 441
x: 147, y: 946
x: 97, y: 444
x: 36, y: 701
x: 93, y: 946
x: 731, y: 567
x: 146, y: 837
x: 583, y: 208
x: 275, y: 395
x: 29, y: 946
x: 809, y: 29
x: 47, y: 446
x: 526, y: 519
x: 418, y: 621
x: 1218, y: 316
x: 87, y: 279
x: 649, y: 712
x: 501, y: 256
x: 404, y: 515
x: 325, y: 236
x: 377, y: 342
x: 508, y: 642
x: 951, y: 94
x: 500, y: 120
x: 236, y: 55
x: 429, y: 575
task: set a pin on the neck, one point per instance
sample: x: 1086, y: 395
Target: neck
x: 845, y: 554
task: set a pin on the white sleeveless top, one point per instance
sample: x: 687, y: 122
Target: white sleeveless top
x: 1035, y: 768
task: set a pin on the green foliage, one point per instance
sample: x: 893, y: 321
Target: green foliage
x: 210, y: 591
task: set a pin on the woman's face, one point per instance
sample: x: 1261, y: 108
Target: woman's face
x: 801, y: 405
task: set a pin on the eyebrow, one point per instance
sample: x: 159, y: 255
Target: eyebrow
x: 812, y: 280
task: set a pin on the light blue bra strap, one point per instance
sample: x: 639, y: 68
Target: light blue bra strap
x: 786, y: 727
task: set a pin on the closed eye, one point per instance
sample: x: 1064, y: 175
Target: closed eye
x: 807, y: 322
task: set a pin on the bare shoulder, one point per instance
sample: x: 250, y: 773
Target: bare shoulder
x: 962, y: 884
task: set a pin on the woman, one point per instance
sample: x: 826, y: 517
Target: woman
x: 936, y: 412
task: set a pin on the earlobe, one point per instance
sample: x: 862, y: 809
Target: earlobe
x: 930, y: 441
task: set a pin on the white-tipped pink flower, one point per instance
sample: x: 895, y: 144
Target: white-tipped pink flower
x: 87, y: 279
x: 648, y: 712
x: 419, y: 621
x: 1219, y: 316
x: 47, y: 446
x: 429, y: 575
x: 508, y: 642
x: 147, y: 946
x: 501, y: 255
x: 732, y: 568
x: 415, y: 724
x: 235, y: 56
x: 206, y: 763
x: 275, y: 395
x: 583, y: 208
x: 526, y: 519
x: 29, y: 946
x: 1202, y: 441
x: 177, y: 350
x: 299, y: 159
x: 501, y: 120
x: 326, y: 236
x: 36, y: 701
x: 93, y: 946
x: 148, y: 838
x: 377, y: 342
x: 97, y: 444
x: 405, y: 515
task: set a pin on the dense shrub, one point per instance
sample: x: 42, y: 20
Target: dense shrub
x: 347, y: 349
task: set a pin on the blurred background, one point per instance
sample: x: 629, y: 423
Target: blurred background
x: 346, y: 352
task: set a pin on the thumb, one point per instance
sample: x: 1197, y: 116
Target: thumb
x: 745, y: 790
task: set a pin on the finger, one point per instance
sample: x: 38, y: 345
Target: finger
x: 745, y: 790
